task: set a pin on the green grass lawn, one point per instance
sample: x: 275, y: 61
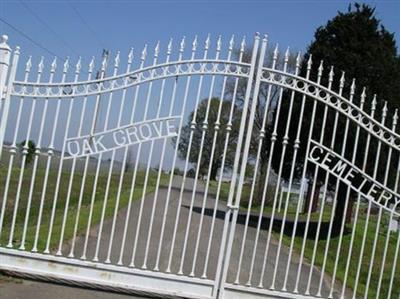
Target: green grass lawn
x: 333, y: 246
x: 73, y: 202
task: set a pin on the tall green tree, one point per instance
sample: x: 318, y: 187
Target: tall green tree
x: 356, y: 43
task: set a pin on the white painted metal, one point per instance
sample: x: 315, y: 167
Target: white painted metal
x: 86, y: 219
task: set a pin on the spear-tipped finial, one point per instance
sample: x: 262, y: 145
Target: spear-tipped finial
x: 395, y: 117
x: 231, y: 42
x: 53, y: 66
x: 363, y: 96
x: 117, y: 60
x: 342, y: 79
x: 353, y: 87
x: 78, y: 65
x: 130, y: 56
x: 91, y: 65
x: 157, y: 49
x: 41, y: 65
x: 28, y: 64
x: 243, y: 44
x: 384, y: 109
x: 219, y: 43
x: 207, y: 42
x: 194, y: 43
x: 104, y: 62
x: 287, y: 54
x: 298, y: 60
x: 374, y: 102
x: 309, y: 62
x: 144, y: 53
x: 169, y: 47
x: 331, y: 74
x: 276, y: 50
x: 66, y: 65
x: 320, y: 68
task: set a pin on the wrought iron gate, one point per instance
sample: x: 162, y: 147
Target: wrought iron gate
x: 199, y: 173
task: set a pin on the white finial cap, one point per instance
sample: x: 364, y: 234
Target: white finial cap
x: 287, y: 54
x: 78, y: 65
x: 169, y: 47
x: 231, y: 42
x: 353, y: 86
x: 91, y: 65
x: 309, y: 62
x: 130, y: 56
x: 53, y: 65
x: 243, y: 44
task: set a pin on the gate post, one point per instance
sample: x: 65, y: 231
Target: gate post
x: 238, y: 173
x: 5, y: 54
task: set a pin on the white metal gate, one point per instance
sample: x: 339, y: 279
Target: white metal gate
x: 198, y: 172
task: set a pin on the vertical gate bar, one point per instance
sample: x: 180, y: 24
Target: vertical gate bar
x: 227, y: 240
x: 153, y: 208
x: 291, y: 177
x: 264, y: 194
x: 333, y: 142
x: 204, y: 132
x: 284, y: 145
x: 23, y: 162
x: 135, y: 100
x: 222, y: 169
x: 72, y: 171
x: 3, y: 120
x: 321, y: 212
x: 5, y: 54
x: 260, y: 142
x: 343, y: 224
x: 145, y: 116
x: 185, y: 98
x: 309, y: 137
x: 194, y: 48
x: 99, y: 158
x: 106, y: 125
x: 84, y: 107
x: 111, y: 166
x: 50, y: 153
x: 213, y: 146
x: 35, y: 163
x: 383, y: 119
x: 123, y: 165
x: 394, y: 123
x: 369, y: 202
x: 59, y: 174
x: 162, y: 160
x: 125, y: 156
x: 192, y: 127
x: 357, y: 205
x: 196, y: 178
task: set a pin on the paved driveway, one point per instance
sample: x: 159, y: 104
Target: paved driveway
x: 33, y: 290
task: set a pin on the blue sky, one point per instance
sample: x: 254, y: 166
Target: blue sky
x: 119, y: 25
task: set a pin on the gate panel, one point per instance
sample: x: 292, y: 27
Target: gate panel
x: 319, y: 201
x: 114, y: 169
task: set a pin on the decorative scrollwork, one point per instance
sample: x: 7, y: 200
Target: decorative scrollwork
x: 335, y: 101
x: 172, y: 69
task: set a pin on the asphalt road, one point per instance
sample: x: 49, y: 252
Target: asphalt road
x: 32, y: 290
